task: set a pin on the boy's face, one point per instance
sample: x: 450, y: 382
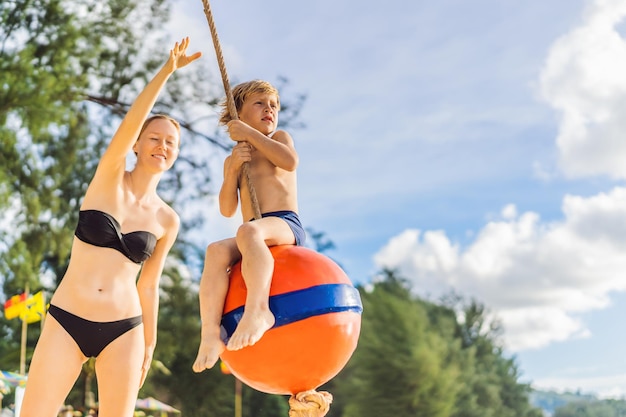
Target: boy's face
x: 260, y: 111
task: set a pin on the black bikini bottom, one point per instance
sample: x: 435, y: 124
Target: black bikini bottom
x: 92, y: 336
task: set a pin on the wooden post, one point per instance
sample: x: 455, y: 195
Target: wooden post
x: 23, y: 342
x: 238, y: 400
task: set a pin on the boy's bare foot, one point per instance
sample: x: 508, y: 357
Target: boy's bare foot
x: 252, y: 326
x: 208, y: 353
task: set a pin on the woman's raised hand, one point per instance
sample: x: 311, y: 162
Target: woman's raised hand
x: 178, y: 55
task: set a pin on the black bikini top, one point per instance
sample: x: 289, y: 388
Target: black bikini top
x: 101, y: 229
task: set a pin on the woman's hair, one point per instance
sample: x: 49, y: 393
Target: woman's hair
x: 159, y: 116
x: 241, y: 92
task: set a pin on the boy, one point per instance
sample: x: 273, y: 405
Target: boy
x: 272, y: 161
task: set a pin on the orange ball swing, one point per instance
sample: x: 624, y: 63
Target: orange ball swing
x: 317, y: 311
x: 318, y: 321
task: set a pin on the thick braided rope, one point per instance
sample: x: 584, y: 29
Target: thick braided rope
x: 310, y: 404
x: 230, y: 103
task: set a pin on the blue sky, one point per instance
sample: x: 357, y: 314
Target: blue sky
x: 475, y: 146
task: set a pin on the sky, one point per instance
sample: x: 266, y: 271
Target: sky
x: 475, y: 147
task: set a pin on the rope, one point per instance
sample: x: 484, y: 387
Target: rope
x: 232, y: 108
x: 310, y: 404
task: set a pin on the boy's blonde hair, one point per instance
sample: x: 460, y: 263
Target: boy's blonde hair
x: 241, y: 92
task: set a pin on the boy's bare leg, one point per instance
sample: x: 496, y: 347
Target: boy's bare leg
x: 257, y: 317
x: 257, y: 268
x: 213, y: 289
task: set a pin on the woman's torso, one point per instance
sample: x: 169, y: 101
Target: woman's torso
x: 100, y: 282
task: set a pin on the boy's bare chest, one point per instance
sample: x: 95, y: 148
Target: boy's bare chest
x: 261, y: 166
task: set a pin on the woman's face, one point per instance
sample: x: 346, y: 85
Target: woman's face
x: 158, y: 145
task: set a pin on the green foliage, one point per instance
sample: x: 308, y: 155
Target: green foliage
x: 549, y: 401
x: 493, y: 389
x: 606, y: 408
x: 417, y: 358
x: 576, y: 404
x: 400, y: 367
x: 42, y: 130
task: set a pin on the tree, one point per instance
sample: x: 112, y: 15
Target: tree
x: 609, y: 408
x: 42, y: 135
x: 418, y: 358
x: 400, y: 366
x: 491, y: 380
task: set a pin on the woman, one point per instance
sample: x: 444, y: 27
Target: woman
x: 100, y: 308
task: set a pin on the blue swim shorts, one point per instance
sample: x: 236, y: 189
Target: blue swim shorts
x: 293, y: 221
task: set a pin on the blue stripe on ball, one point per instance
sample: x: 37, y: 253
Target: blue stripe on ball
x: 299, y: 305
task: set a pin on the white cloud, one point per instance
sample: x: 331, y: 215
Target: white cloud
x: 583, y: 78
x: 537, y: 277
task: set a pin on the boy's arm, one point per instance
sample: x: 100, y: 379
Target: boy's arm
x: 229, y: 197
x: 279, y: 149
